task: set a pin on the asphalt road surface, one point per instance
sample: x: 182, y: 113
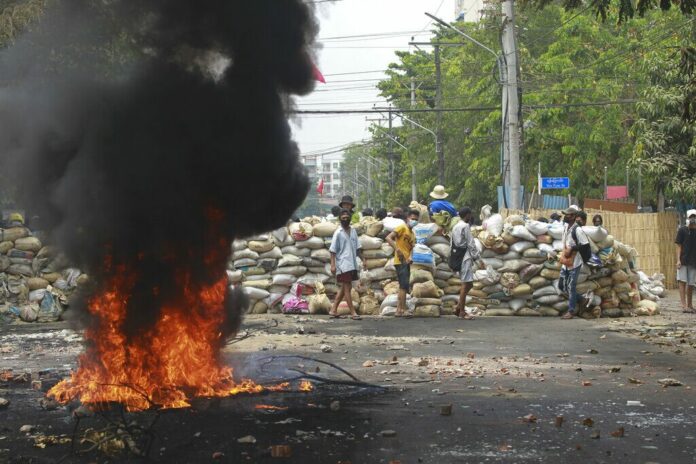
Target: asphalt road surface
x: 519, y: 390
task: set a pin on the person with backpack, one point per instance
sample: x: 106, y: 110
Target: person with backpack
x: 576, y: 251
x: 463, y: 257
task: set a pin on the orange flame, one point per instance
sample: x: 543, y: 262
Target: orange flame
x: 165, y: 367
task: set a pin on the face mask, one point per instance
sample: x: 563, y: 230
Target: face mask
x: 692, y: 221
x: 345, y: 222
x: 568, y: 219
x: 413, y: 223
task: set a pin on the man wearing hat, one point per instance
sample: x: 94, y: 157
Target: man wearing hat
x: 347, y: 203
x: 686, y: 261
x: 574, y: 239
x: 439, y: 203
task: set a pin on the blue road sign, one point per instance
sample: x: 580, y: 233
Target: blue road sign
x: 555, y: 182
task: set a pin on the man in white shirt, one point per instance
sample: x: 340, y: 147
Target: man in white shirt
x: 576, y: 249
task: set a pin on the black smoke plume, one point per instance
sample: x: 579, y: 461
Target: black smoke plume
x: 170, y: 150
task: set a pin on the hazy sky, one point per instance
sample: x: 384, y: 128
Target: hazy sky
x: 386, y: 26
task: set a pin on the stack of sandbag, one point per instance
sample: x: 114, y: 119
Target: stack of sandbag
x: 31, y: 273
x: 520, y: 271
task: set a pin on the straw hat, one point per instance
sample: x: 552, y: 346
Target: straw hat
x: 439, y: 193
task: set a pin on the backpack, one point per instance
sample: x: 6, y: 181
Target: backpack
x: 456, y: 257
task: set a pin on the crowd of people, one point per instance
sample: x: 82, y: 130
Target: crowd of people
x: 465, y: 256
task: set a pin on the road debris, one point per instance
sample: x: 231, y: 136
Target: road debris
x: 669, y: 382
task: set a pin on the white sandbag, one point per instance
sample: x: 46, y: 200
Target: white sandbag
x: 245, y: 254
x: 537, y: 228
x: 390, y: 300
x: 517, y: 304
x: 495, y: 263
x: 296, y: 271
x: 442, y: 249
x: 322, y: 255
x: 521, y: 232
x: 300, y: 231
x: 423, y: 232
x: 391, y: 223
x: 261, y: 246
x: 521, y: 247
x: 549, y: 299
x: 388, y: 311
x: 275, y: 253
x: 284, y: 279
x: 545, y: 248
x: 548, y: 290
x: 293, y: 250
x: 28, y: 244
x: 422, y: 255
x: 235, y: 277
x: 370, y: 243
x: 310, y: 280
x: 509, y: 255
x: 289, y: 260
x: 494, y: 225
x: 239, y: 245
x: 596, y: 234
x: 558, y: 245
x: 242, y: 263
x: 378, y: 275
x: 255, y: 293
x: 437, y: 240
x: 534, y: 253
x: 487, y: 276
x: 556, y: 231
x: 281, y: 237
x: 313, y: 243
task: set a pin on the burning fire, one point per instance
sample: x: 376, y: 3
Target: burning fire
x: 306, y: 386
x: 164, y: 367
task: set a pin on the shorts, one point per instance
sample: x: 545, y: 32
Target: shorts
x: 687, y: 274
x: 467, y: 272
x: 347, y: 277
x: 403, y: 273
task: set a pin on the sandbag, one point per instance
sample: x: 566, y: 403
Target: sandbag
x: 494, y: 224
x: 522, y: 246
x: 300, y: 231
x: 509, y: 239
x: 245, y: 254
x: 606, y: 243
x: 596, y: 234
x: 509, y: 255
x: 375, y: 263
x: 443, y: 275
x: 536, y: 227
x: 256, y: 293
x: 13, y: 234
x: 20, y: 269
x: 493, y: 262
x: 619, y: 276
x: 319, y: 304
x: 545, y: 248
x: 528, y: 272
x: 487, y: 276
x: 550, y: 274
x: 492, y: 289
x: 427, y: 311
x: 274, y: 253
x: 437, y: 240
x: 514, y: 265
x: 369, y: 305
x: 36, y: 283
x: 549, y: 299
x: 259, y: 307
x: 534, y: 253
x: 294, y: 251
x: 419, y: 276
x: 509, y: 280
x: 289, y: 260
x: 239, y: 245
x: 422, y: 255
x: 499, y: 312
x: 370, y: 243
x: 543, y: 291
x: 28, y: 244
x: 391, y: 223
x: 517, y: 303
x: 426, y: 290
x: 322, y: 255
x: 424, y: 231
x: 545, y: 239
x: 557, y: 245
x: 522, y: 233
x: 4, y: 263
x: 374, y: 229
x: 546, y: 311
x: 527, y: 312
x: 310, y: 280
x: 324, y: 229
x: 313, y: 243
x: 521, y: 290
x: 374, y: 254
x: 261, y: 247
x: 296, y: 271
x: 264, y: 284
x: 556, y: 231
x: 538, y: 282
x: 442, y: 250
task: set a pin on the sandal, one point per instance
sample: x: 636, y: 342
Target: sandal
x: 356, y: 318
x: 568, y: 315
x: 335, y: 316
x: 689, y: 311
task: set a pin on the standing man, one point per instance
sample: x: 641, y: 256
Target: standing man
x: 345, y: 250
x: 686, y: 261
x: 402, y: 239
x: 576, y: 247
x: 462, y: 238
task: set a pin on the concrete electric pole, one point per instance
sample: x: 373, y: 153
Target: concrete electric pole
x: 513, y: 104
x: 439, y: 148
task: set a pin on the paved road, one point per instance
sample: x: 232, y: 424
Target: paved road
x: 492, y: 371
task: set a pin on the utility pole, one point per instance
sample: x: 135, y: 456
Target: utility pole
x: 438, y: 119
x: 414, y: 188
x: 369, y: 185
x: 640, y: 187
x: 513, y: 101
x: 390, y: 154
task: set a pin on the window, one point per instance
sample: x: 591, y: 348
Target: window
x: 326, y: 167
x: 336, y: 165
x: 335, y: 176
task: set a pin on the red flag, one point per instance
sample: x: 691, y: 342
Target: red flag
x: 614, y: 192
x: 320, y: 187
x: 318, y: 76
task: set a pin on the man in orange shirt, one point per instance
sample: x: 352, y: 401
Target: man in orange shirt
x: 402, y: 239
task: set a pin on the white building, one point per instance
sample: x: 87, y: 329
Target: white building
x: 468, y: 10
x: 327, y: 167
